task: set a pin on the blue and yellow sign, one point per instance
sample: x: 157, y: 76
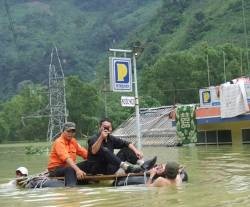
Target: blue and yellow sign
x: 206, y: 97
x: 209, y: 97
x: 121, y: 74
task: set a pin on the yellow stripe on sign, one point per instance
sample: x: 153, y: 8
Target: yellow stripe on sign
x: 122, y: 71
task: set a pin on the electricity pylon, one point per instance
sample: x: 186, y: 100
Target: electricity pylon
x: 56, y: 109
x: 57, y: 99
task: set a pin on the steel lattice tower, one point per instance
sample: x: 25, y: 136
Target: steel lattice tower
x: 57, y: 99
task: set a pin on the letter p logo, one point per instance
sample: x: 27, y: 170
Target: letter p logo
x: 121, y: 74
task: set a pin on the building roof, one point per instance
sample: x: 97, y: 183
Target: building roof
x: 156, y: 127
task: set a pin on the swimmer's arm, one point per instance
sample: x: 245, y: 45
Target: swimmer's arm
x: 158, y: 182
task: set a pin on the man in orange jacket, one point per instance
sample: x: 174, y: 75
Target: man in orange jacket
x: 62, y: 159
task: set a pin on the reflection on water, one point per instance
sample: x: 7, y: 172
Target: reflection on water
x: 218, y: 176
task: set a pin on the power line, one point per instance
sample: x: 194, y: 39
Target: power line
x: 11, y: 22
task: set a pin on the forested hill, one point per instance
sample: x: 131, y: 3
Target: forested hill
x: 84, y: 30
x: 181, y: 40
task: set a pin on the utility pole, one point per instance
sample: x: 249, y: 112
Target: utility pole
x: 208, y: 71
x: 241, y: 63
x: 245, y: 33
x: 137, y: 107
x: 224, y: 67
x: 105, y: 98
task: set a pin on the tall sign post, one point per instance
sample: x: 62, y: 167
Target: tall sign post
x: 121, y: 81
x: 137, y: 108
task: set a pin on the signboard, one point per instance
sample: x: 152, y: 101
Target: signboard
x: 120, y: 74
x: 209, y: 97
x: 128, y: 101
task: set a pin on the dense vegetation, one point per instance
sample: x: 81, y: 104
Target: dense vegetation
x: 181, y: 39
x: 82, y: 30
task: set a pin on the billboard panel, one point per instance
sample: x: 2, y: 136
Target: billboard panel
x: 120, y: 74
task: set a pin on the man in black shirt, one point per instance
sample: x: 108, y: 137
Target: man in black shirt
x: 101, y: 153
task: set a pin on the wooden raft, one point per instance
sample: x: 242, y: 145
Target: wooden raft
x: 100, y: 177
x: 110, y: 177
x: 23, y: 181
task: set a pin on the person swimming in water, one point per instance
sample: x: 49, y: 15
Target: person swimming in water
x: 164, y: 175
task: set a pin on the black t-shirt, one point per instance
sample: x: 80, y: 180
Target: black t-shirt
x: 111, y: 143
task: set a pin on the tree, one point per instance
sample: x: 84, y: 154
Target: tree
x: 83, y: 103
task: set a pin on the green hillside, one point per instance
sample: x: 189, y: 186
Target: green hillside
x: 181, y: 41
x: 186, y: 37
x: 82, y: 30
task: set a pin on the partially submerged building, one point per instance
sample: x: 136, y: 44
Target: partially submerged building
x: 223, y: 116
x: 156, y: 127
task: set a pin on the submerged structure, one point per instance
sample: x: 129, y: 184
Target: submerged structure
x: 223, y: 116
x: 156, y: 127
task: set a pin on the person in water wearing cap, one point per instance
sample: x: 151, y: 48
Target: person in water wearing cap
x: 164, y: 175
x: 21, y: 172
x: 62, y: 159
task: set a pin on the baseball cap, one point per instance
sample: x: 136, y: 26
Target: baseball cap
x: 23, y: 170
x: 172, y: 169
x: 69, y: 126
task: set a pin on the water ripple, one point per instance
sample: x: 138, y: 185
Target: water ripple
x: 218, y: 177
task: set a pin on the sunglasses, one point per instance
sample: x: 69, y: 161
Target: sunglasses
x: 71, y: 130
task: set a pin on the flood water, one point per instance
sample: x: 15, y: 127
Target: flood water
x: 218, y: 176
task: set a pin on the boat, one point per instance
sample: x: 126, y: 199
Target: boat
x: 42, y: 180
